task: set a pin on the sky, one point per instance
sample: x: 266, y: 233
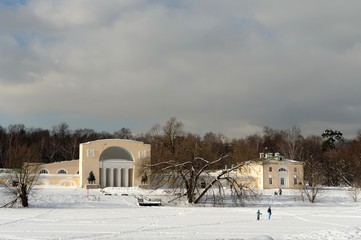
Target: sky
x: 230, y: 67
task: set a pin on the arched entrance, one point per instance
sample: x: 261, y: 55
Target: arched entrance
x: 116, y: 167
x: 283, y: 177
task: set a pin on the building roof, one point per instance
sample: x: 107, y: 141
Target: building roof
x: 270, y: 158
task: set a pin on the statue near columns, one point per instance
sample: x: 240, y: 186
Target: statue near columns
x: 91, y: 178
x: 144, y: 178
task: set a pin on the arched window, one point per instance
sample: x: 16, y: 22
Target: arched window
x: 43, y: 171
x: 62, y: 171
x: 282, y: 170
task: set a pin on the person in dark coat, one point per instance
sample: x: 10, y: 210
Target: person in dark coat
x: 269, y: 213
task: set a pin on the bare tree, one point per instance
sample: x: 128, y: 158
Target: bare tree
x: 21, y: 184
x: 178, y: 163
x: 311, y: 190
x: 244, y: 149
x: 271, y: 139
x: 314, y: 171
x: 123, y: 133
x: 197, y: 179
x: 291, y: 145
x: 16, y: 140
x: 354, y: 192
x: 351, y: 153
x: 334, y: 163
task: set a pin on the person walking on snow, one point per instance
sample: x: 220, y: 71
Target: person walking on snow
x: 269, y: 213
x: 258, y: 214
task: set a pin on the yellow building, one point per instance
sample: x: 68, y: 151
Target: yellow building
x: 273, y: 171
x: 114, y: 162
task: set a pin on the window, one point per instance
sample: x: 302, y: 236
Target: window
x: 282, y: 181
x: 43, y: 171
x: 62, y: 171
x: 295, y: 170
x: 270, y: 181
x: 282, y: 170
x: 270, y: 169
x: 295, y: 181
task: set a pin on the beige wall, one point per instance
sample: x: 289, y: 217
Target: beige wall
x: 53, y: 177
x: 71, y: 167
x: 253, y: 172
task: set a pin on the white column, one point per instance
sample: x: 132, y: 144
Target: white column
x: 119, y: 173
x: 111, y: 177
x: 103, y: 177
x: 130, y: 177
x: 107, y: 170
x: 122, y: 175
x: 126, y: 177
x: 115, y: 184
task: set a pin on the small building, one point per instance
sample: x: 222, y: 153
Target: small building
x: 114, y: 162
x: 272, y: 171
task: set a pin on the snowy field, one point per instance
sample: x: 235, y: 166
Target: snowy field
x: 74, y: 213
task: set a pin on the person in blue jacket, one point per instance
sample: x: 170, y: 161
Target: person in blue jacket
x: 269, y: 213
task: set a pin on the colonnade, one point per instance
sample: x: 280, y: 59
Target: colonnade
x: 116, y: 177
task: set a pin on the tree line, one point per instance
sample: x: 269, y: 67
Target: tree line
x: 329, y: 158
x: 19, y: 144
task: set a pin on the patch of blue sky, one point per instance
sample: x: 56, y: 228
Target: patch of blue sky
x: 24, y: 39
x: 13, y: 2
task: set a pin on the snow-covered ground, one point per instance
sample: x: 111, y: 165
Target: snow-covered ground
x: 74, y: 213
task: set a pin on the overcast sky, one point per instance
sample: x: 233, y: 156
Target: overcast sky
x: 230, y: 67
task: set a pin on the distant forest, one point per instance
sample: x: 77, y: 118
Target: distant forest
x: 336, y: 159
